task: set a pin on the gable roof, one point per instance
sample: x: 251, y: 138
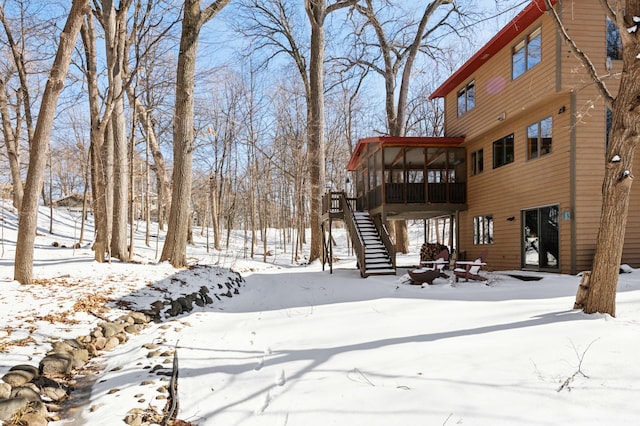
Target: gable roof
x: 513, y: 29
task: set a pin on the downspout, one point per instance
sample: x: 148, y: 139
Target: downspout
x: 572, y: 183
x: 572, y: 153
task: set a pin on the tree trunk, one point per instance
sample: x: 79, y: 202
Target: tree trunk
x: 175, y: 246
x: 97, y: 149
x: 144, y: 115
x: 316, y: 11
x: 13, y: 152
x: 616, y: 187
x: 115, y: 28
x: 27, y: 224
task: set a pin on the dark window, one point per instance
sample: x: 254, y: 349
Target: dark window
x: 527, y: 53
x: 467, y: 98
x: 614, y: 42
x: 539, y: 138
x: 477, y: 162
x: 609, y: 124
x: 503, y: 151
x: 483, y: 229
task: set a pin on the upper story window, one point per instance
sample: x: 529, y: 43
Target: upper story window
x: 503, y: 151
x: 614, y: 42
x: 467, y: 98
x: 477, y: 162
x: 539, y: 138
x: 527, y: 53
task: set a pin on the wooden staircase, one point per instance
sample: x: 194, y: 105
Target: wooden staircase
x: 369, y: 236
x: 377, y: 260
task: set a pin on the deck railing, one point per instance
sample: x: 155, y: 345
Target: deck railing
x: 415, y: 193
x: 332, y: 202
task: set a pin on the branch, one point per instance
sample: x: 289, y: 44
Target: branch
x: 581, y: 55
x: 567, y: 383
x: 340, y: 4
x: 212, y: 10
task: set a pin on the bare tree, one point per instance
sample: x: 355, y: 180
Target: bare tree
x: 114, y: 23
x: 597, y: 293
x: 272, y: 28
x: 11, y: 144
x: 100, y: 151
x: 398, y: 51
x: 317, y: 12
x: 175, y: 246
x: 23, y: 268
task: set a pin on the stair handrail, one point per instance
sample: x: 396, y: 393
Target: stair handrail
x: 386, y: 239
x: 354, y: 233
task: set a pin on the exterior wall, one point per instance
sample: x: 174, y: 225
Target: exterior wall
x: 571, y: 175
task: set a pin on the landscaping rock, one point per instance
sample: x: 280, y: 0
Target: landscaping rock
x: 111, y: 343
x: 25, y: 367
x: 17, y: 378
x: 25, y: 392
x: 9, y: 406
x: 57, y: 364
x: 5, y: 391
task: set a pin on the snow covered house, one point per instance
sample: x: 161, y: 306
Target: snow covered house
x: 534, y: 132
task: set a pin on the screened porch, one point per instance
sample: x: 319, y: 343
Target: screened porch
x: 409, y: 177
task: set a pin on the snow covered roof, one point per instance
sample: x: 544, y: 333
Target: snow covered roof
x: 513, y: 29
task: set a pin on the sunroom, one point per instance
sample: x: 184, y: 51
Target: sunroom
x: 409, y: 177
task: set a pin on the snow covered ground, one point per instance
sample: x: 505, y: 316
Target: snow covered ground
x: 300, y: 346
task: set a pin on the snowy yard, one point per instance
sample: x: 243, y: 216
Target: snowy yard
x: 299, y: 346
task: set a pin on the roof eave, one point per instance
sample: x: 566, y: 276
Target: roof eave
x: 517, y: 26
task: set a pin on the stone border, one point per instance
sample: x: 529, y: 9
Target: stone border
x: 28, y: 393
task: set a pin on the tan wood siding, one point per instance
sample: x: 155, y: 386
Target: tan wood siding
x: 506, y: 191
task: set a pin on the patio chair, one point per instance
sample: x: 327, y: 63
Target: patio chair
x: 471, y: 270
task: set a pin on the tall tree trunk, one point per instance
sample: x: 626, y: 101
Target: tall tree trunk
x: 115, y: 28
x: 316, y: 124
x: 146, y: 119
x: 616, y: 188
x: 19, y: 61
x: 597, y: 292
x: 27, y: 223
x: 175, y: 246
x: 317, y: 11
x: 11, y: 144
x: 98, y: 151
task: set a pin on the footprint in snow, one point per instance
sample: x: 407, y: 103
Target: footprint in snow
x: 280, y: 379
x: 260, y: 364
x: 265, y: 403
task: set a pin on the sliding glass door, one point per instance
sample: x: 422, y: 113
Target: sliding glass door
x: 540, y: 238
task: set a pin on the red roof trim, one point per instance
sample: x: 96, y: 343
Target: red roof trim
x: 399, y: 141
x: 517, y: 26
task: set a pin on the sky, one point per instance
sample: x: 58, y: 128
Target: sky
x: 300, y: 346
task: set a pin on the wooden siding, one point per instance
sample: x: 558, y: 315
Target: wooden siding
x: 558, y: 86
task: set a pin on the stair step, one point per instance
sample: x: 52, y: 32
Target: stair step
x: 376, y: 255
x: 380, y: 271
x: 376, y: 250
x: 374, y: 245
